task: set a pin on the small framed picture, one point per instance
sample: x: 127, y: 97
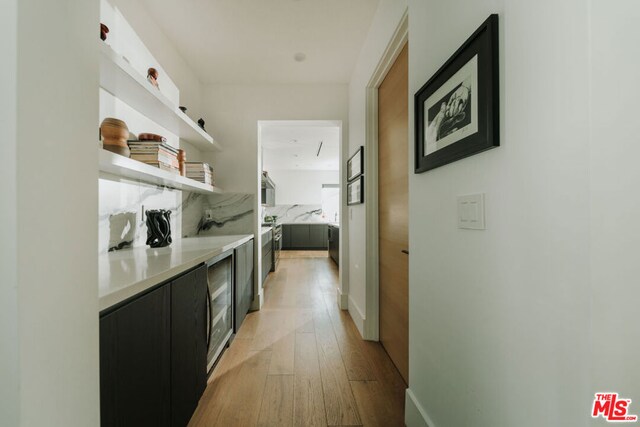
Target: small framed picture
x: 355, y: 191
x: 355, y: 165
x: 457, y: 109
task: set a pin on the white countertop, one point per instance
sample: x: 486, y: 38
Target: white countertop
x: 128, y: 272
x: 265, y: 229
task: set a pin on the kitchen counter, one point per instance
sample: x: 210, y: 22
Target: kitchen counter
x: 265, y: 229
x: 128, y: 272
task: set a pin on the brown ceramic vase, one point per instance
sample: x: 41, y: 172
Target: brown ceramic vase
x: 114, y: 136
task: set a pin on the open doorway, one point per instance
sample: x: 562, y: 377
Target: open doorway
x: 300, y: 193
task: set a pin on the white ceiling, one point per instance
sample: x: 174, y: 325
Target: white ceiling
x: 289, y: 146
x: 254, y: 41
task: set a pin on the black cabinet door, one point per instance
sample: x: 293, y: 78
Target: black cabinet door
x: 135, y: 363
x: 300, y: 236
x: 318, y: 236
x: 244, y: 282
x: 267, y: 263
x: 188, y: 344
x: 334, y: 244
x: 286, y: 236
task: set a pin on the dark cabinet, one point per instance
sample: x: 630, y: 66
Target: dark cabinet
x: 188, y: 344
x: 304, y: 236
x: 299, y: 236
x: 334, y: 244
x: 286, y: 236
x: 318, y: 236
x: 153, y: 355
x: 268, y: 193
x: 268, y: 197
x: 244, y: 282
x: 135, y: 362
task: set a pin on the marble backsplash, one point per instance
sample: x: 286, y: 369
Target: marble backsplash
x: 217, y: 214
x: 297, y: 213
x: 121, y: 222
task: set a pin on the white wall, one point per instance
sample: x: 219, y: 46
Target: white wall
x: 386, y: 20
x: 615, y: 200
x: 54, y: 215
x: 166, y: 54
x: 500, y: 319
x: 9, y: 354
x: 301, y: 187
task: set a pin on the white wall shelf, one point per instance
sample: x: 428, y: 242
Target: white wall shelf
x: 132, y: 169
x: 121, y: 80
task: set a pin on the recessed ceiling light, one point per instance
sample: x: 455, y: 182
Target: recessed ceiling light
x: 293, y: 141
x: 299, y: 57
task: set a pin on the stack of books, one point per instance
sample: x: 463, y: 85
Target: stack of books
x: 157, y: 154
x: 200, y: 172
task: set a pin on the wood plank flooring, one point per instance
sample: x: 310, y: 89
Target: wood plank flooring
x: 300, y: 361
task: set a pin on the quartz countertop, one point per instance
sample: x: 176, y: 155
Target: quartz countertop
x: 265, y: 229
x: 128, y: 272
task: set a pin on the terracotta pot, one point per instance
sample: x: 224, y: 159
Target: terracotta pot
x: 114, y: 136
x: 103, y: 31
x: 151, y: 137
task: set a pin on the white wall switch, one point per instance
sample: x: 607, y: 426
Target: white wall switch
x: 471, y: 212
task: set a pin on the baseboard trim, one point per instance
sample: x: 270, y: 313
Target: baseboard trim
x: 343, y: 300
x: 356, y: 315
x: 414, y: 413
x: 257, y: 301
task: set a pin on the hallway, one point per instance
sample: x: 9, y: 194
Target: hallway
x: 300, y: 361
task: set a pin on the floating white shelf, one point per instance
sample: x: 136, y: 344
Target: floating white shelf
x: 121, y: 80
x: 132, y: 169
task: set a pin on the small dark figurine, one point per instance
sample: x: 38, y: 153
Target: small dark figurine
x: 158, y: 228
x: 183, y: 109
x: 201, y: 123
x: 103, y: 31
x: 152, y: 76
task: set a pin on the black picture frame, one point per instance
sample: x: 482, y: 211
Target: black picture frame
x: 457, y: 110
x: 355, y: 191
x: 355, y: 165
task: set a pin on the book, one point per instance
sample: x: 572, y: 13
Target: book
x: 170, y: 160
x: 163, y: 166
x: 151, y: 146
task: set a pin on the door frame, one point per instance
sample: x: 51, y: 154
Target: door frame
x: 371, y: 329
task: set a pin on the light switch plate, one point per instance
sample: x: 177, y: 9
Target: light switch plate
x: 471, y: 212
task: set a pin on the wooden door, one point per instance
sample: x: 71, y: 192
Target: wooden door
x: 393, y: 191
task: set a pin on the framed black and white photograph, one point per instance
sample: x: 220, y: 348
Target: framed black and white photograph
x: 457, y: 109
x: 355, y: 165
x: 355, y: 191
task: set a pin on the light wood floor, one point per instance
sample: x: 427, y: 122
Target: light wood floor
x: 300, y: 361
x: 303, y: 254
